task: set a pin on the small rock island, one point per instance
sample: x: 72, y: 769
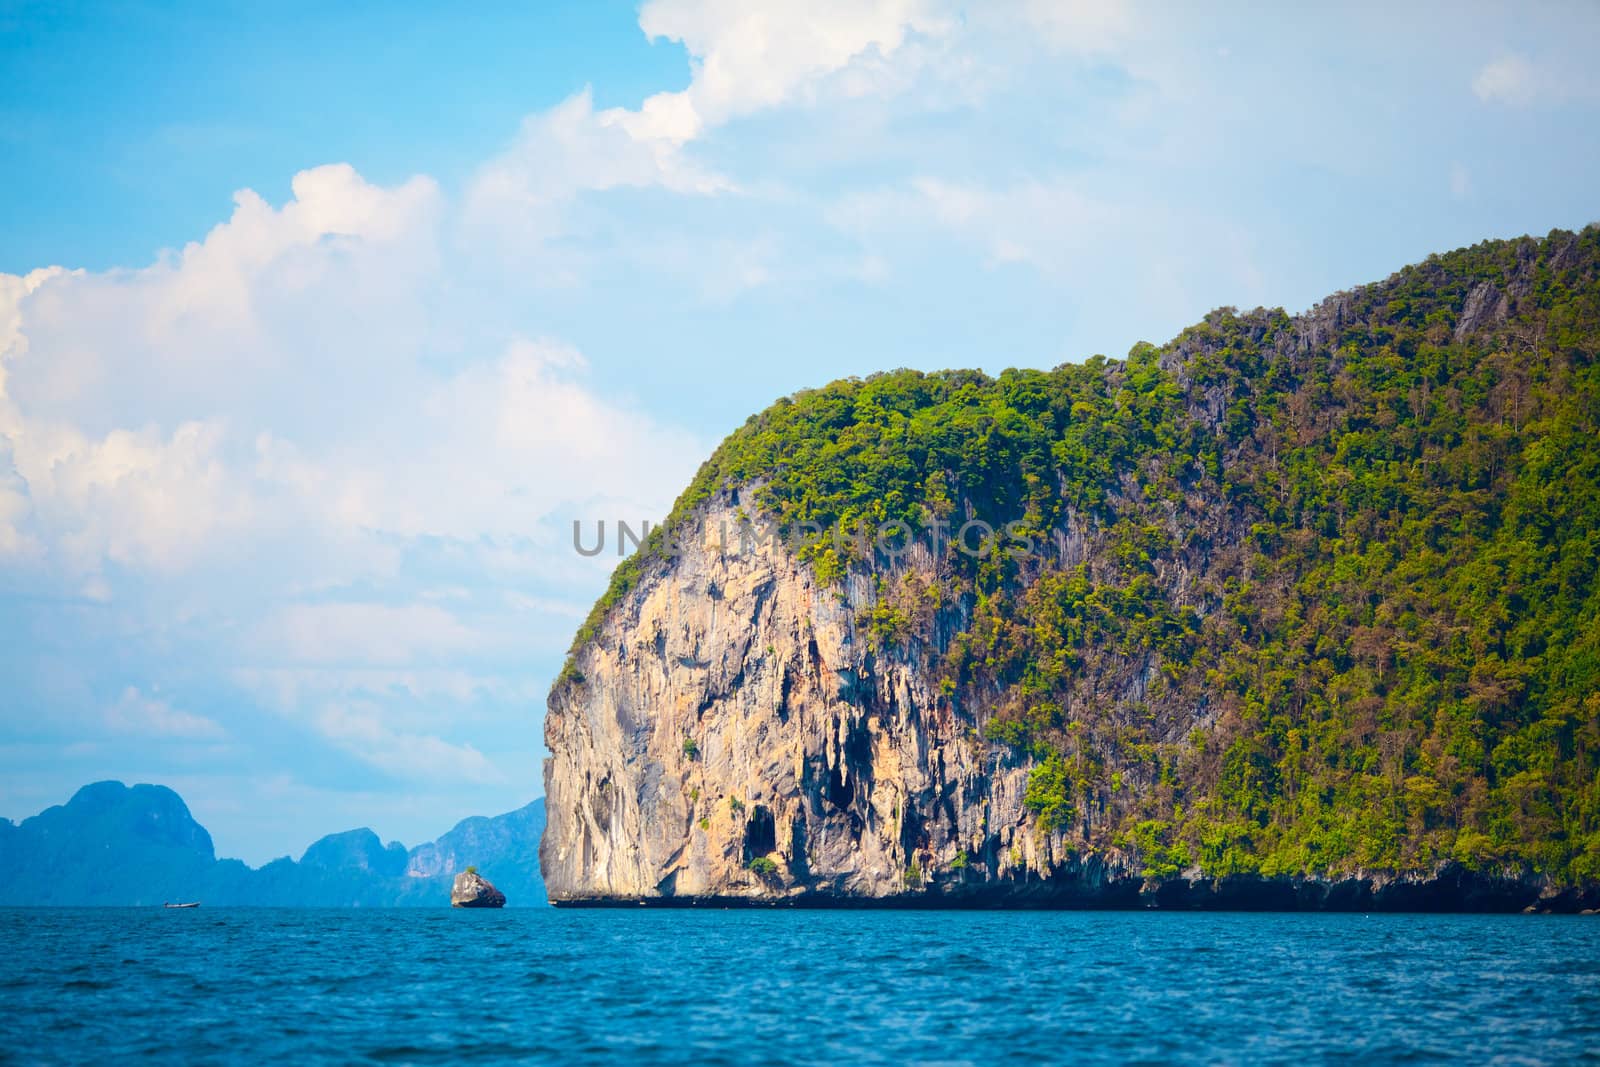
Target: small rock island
x: 472, y: 890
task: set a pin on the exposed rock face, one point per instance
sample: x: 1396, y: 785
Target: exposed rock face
x: 733, y: 734
x: 472, y: 890
x: 1486, y: 306
x: 730, y: 713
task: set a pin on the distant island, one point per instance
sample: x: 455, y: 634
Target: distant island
x: 115, y: 845
x: 1291, y: 611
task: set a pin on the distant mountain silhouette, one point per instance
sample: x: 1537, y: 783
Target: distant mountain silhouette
x: 115, y: 845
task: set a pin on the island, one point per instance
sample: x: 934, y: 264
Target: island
x: 1292, y: 611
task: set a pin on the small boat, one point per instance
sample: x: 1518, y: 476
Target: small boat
x: 195, y: 904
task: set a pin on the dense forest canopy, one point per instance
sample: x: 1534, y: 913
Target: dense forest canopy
x: 1334, y: 605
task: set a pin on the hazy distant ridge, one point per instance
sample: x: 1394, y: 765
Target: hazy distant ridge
x: 115, y: 845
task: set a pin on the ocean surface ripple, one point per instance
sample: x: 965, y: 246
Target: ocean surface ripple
x: 777, y: 987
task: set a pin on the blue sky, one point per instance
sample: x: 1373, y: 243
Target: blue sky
x: 320, y: 324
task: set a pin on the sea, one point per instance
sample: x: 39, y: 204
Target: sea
x: 643, y: 986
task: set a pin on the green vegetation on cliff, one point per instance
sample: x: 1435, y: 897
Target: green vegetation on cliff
x: 1308, y: 594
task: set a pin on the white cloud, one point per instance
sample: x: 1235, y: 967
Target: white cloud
x: 747, y: 57
x: 571, y: 149
x: 269, y: 387
x: 134, y: 497
x: 131, y: 397
x: 1519, y: 80
x: 15, y: 507
x: 537, y: 436
x: 263, y: 429
x: 14, y: 289
x: 149, y: 717
x: 1508, y: 80
x: 361, y: 634
x: 362, y: 731
x: 15, y: 510
x: 333, y: 280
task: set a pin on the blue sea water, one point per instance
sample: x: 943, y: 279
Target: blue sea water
x: 773, y: 987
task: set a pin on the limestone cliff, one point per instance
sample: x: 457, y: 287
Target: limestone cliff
x: 730, y: 710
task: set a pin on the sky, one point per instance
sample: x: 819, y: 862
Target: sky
x: 321, y: 324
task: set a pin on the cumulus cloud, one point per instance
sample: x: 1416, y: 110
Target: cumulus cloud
x: 750, y: 56
x: 333, y: 276
x: 279, y: 419
x: 571, y: 149
x: 15, y: 509
x: 269, y: 384
x: 132, y: 397
x: 744, y: 57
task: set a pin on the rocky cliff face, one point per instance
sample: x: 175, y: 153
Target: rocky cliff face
x: 734, y: 727
x: 731, y: 714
